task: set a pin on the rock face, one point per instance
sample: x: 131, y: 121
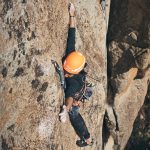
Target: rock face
x: 128, y: 65
x: 31, y: 34
x: 141, y: 131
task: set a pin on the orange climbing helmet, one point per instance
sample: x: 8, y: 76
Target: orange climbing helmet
x: 74, y: 62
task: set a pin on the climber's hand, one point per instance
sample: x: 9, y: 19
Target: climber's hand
x: 64, y: 114
x: 71, y: 9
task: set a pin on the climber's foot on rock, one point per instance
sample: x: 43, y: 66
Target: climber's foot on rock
x: 83, y: 143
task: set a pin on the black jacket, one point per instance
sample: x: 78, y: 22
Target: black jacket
x: 75, y: 84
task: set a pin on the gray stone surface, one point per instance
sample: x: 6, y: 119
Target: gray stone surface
x: 31, y: 34
x: 34, y: 32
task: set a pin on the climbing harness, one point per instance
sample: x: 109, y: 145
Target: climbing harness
x: 61, y: 76
x: 85, y: 93
x: 60, y: 73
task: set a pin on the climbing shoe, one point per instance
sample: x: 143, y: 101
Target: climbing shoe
x: 83, y: 143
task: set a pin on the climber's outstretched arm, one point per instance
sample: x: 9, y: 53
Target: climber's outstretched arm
x: 71, y: 33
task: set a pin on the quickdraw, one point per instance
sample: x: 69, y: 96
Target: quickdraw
x: 60, y: 73
x: 61, y: 76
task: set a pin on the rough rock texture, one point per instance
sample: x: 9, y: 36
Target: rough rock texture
x: 140, y: 136
x: 34, y: 32
x: 31, y: 34
x: 128, y: 65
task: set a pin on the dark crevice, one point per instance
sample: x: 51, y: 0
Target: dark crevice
x: 116, y: 119
x: 109, y: 128
x: 110, y: 94
x: 105, y: 129
x: 117, y: 16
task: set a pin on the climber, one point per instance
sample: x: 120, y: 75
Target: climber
x: 73, y: 65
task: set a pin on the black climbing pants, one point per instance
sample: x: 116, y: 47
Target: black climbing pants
x: 78, y: 123
x: 75, y: 117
